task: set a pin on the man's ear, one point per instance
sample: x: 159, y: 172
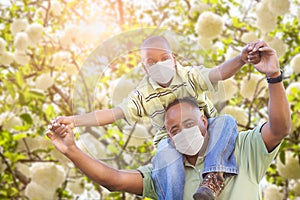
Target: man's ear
x: 171, y: 138
x: 204, y: 120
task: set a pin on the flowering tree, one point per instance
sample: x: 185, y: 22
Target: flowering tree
x: 61, y: 57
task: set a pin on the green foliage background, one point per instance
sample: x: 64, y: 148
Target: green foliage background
x: 36, y: 108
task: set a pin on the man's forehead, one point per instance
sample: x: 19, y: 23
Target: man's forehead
x: 183, y: 109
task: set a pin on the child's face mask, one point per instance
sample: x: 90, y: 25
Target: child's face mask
x: 162, y: 72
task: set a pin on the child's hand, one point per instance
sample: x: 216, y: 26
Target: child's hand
x: 61, y: 136
x: 69, y: 121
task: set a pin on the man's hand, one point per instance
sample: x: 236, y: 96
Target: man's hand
x: 68, y: 121
x: 248, y: 56
x: 268, y: 63
x: 62, y: 137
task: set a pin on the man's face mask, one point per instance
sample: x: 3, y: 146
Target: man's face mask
x: 162, y: 72
x: 189, y: 141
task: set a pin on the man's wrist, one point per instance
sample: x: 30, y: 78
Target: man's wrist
x: 275, y: 77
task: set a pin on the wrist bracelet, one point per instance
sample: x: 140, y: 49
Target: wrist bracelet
x: 276, y: 79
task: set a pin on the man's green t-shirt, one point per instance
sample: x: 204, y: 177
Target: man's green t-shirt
x: 253, y: 160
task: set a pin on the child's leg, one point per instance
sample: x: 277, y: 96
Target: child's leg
x: 219, y: 156
x: 168, y: 171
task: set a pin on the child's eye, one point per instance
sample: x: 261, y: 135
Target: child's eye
x: 165, y: 58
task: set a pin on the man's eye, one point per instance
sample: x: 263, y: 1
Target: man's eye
x: 174, y: 132
x: 190, y: 124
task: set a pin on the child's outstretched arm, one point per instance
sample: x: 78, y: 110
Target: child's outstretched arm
x: 96, y: 118
x: 230, y: 67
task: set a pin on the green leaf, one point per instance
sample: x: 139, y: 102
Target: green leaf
x: 14, y: 157
x: 20, y: 136
x: 27, y: 118
x: 282, y: 157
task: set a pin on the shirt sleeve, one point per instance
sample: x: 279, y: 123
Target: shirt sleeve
x: 149, y: 189
x: 200, y: 78
x: 132, y: 107
x: 254, y: 153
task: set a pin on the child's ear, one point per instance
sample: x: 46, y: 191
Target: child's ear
x: 145, y: 69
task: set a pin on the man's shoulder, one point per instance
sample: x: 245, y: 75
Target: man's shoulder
x: 249, y: 135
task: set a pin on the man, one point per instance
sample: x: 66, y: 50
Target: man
x: 165, y: 81
x: 254, y: 149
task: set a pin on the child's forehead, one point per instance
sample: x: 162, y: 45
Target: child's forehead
x: 149, y: 52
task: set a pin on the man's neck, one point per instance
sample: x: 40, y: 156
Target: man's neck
x: 192, y: 159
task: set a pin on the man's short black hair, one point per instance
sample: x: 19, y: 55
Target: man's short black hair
x: 148, y: 43
x: 189, y: 100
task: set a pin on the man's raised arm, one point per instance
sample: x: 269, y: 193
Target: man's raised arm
x: 279, y: 123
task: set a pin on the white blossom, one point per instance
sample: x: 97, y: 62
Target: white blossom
x: 48, y: 175
x: 279, y: 46
x: 44, y: 81
x: 6, y: 58
x: 89, y: 144
x: 238, y: 113
x: 198, y: 8
x: 55, y: 8
x: 75, y: 186
x: 272, y: 192
x: 231, y: 54
x: 291, y: 168
x: 40, y: 13
x: 21, y: 57
x: 60, y: 59
x: 18, y: 25
x: 205, y: 43
x: 21, y: 41
x: 120, y: 89
x: 227, y: 89
x: 279, y: 7
x: 296, y: 188
x: 230, y: 88
x: 209, y: 25
x: 249, y: 37
x: 253, y: 86
x: 266, y: 20
x: 36, y: 143
x: 35, y: 32
x: 8, y: 120
x: 24, y: 169
x: 69, y: 36
x: 71, y: 69
x: 139, y: 135
x: 295, y: 64
x: 35, y: 191
x: 2, y: 45
x: 293, y: 86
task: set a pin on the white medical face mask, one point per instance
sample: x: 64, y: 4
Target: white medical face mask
x: 189, y: 141
x: 162, y: 72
